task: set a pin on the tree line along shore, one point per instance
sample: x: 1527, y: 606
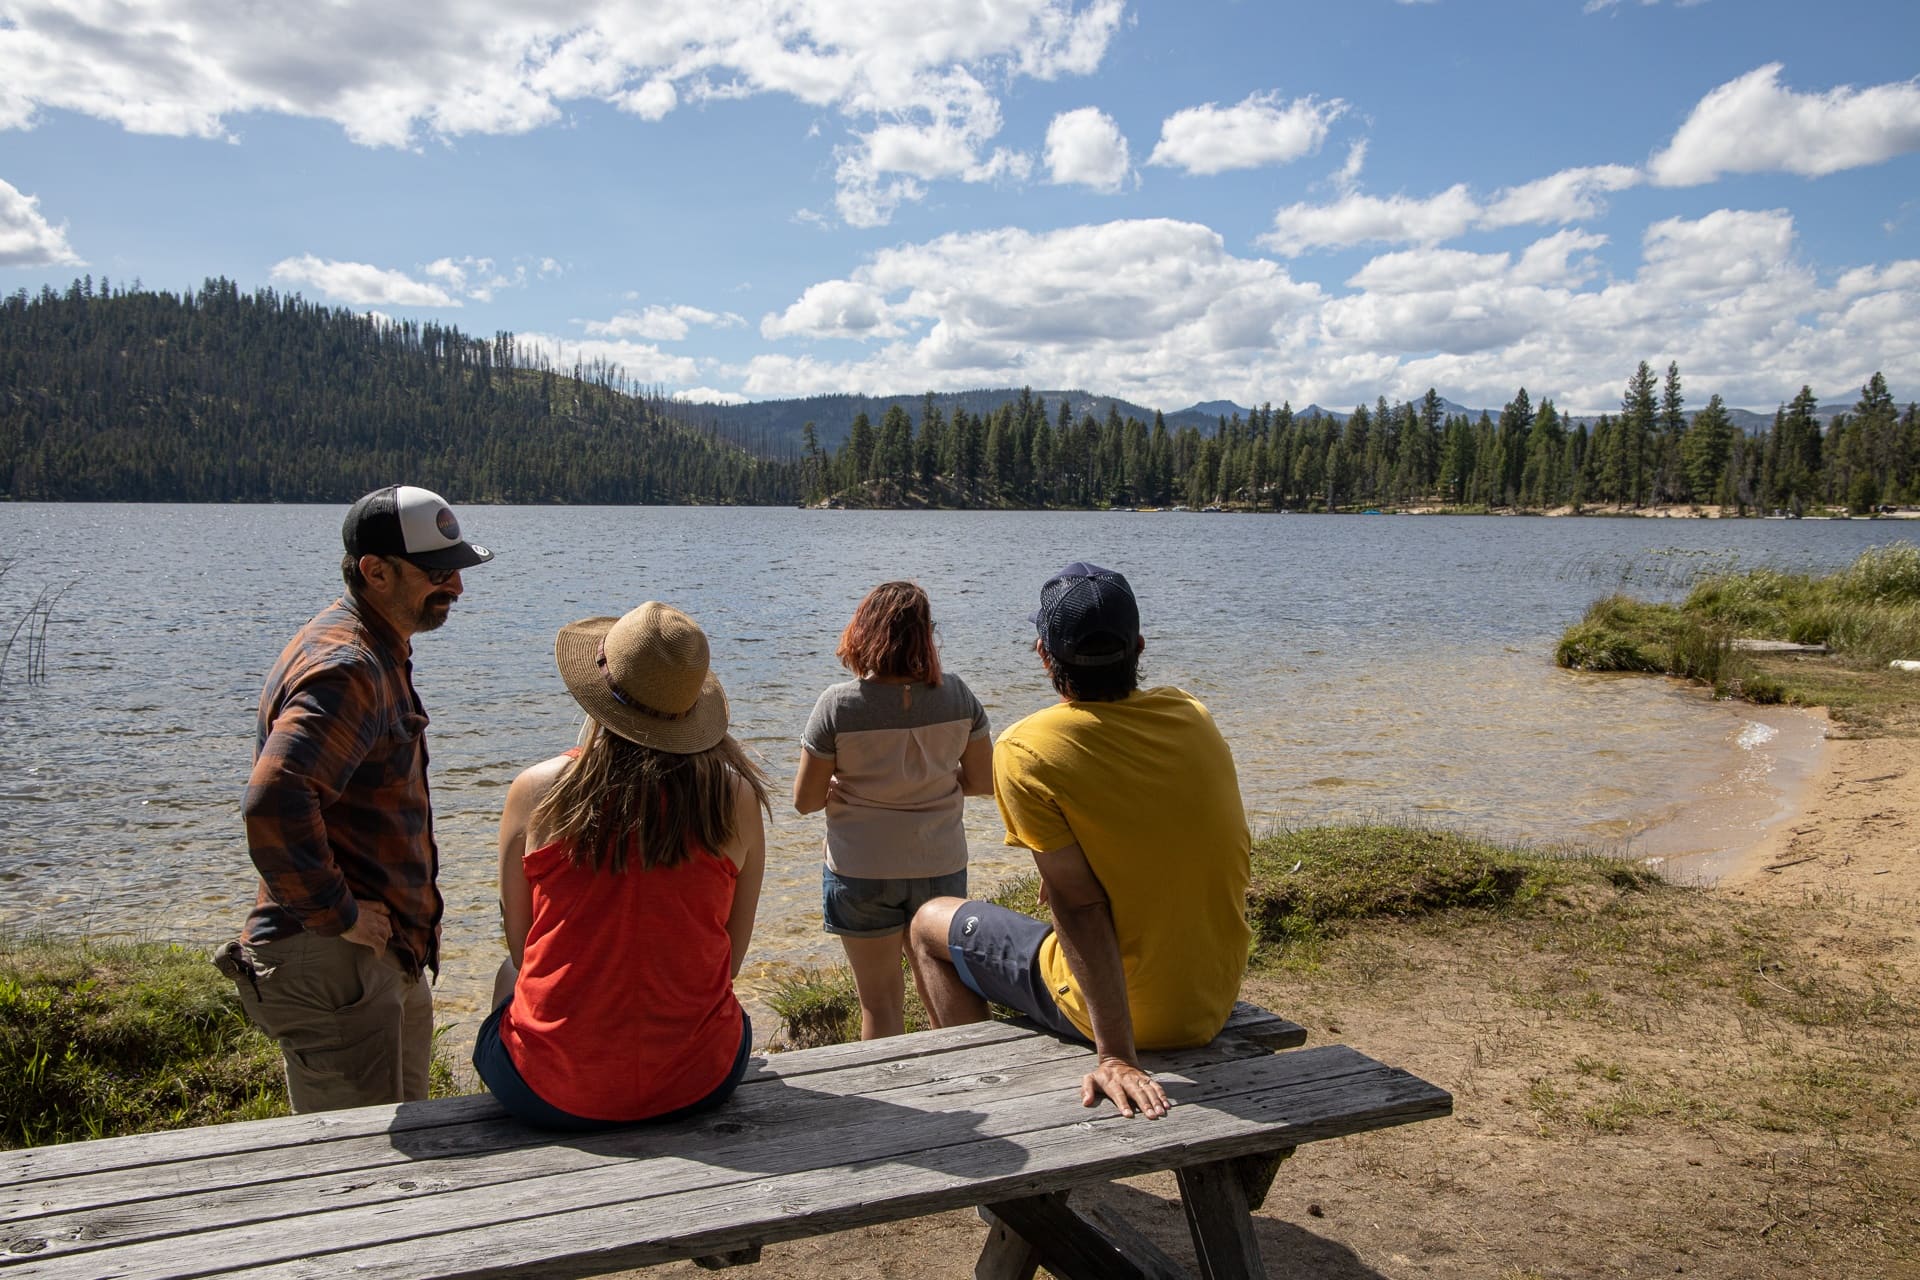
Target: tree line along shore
x: 110, y: 393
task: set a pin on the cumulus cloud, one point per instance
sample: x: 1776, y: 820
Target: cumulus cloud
x: 1086, y: 147
x: 447, y: 282
x: 1261, y: 130
x: 27, y: 239
x: 393, y: 74
x: 1160, y: 312
x: 661, y: 324
x: 1357, y: 218
x: 361, y: 284
x: 1754, y: 124
x: 639, y: 363
x: 1121, y: 305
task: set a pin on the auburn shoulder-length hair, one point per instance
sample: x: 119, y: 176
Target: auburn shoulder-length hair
x: 618, y: 800
x: 891, y: 636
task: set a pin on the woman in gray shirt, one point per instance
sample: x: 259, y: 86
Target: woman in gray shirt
x: 891, y: 755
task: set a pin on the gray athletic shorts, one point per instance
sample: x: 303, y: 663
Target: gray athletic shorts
x: 997, y: 954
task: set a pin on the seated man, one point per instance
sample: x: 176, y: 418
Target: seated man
x: 1129, y: 801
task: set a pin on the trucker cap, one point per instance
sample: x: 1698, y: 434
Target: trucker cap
x: 1087, y: 616
x: 410, y: 522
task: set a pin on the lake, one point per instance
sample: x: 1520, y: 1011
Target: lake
x: 1359, y: 666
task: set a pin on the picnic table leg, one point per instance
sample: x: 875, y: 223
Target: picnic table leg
x: 1221, y: 1220
x: 1067, y: 1244
x: 1258, y: 1172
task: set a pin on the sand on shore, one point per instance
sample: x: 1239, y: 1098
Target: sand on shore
x: 1515, y: 1185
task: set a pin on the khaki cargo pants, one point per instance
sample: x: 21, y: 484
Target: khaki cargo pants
x: 354, y: 1029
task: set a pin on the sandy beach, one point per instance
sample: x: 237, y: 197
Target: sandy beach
x: 1748, y: 1119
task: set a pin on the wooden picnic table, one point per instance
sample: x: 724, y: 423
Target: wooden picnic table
x: 812, y: 1142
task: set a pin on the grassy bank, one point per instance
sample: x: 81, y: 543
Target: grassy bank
x: 1309, y: 887
x: 99, y: 1039
x: 1866, y: 614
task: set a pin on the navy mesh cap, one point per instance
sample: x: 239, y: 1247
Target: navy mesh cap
x: 1087, y: 616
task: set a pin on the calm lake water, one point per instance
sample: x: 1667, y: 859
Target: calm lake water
x: 1392, y: 666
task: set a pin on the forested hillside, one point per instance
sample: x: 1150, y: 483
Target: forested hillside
x: 222, y: 396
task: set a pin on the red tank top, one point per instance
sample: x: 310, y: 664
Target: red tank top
x: 624, y: 1008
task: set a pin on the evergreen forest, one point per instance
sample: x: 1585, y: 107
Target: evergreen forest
x: 223, y: 396
x: 218, y: 395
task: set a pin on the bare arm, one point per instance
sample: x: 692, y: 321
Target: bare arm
x: 812, y: 783
x: 516, y: 895
x: 1083, y: 921
x: 976, y: 767
x: 748, y: 851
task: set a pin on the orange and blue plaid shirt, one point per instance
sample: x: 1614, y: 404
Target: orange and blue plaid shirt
x: 337, y: 805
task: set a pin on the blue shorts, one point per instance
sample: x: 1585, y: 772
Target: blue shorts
x: 502, y: 1078
x: 858, y: 907
x: 997, y: 954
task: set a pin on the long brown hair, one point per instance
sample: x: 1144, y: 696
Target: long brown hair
x: 617, y: 797
x: 892, y: 635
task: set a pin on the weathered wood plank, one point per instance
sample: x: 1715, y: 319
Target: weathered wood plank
x: 772, y: 1123
x: 1073, y: 1248
x: 625, y: 1215
x: 632, y: 1235
x: 388, y: 1154
x: 1256, y: 1174
x: 1220, y: 1221
x: 1007, y: 1255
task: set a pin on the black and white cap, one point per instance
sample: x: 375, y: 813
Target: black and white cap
x: 413, y: 523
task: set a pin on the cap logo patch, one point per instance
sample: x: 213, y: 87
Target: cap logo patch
x: 448, y: 526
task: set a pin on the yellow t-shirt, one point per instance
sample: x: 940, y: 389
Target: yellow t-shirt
x: 1147, y: 789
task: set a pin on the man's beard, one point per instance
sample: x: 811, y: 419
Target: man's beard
x: 434, y: 610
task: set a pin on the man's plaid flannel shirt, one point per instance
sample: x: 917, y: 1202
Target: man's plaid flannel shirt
x: 337, y: 806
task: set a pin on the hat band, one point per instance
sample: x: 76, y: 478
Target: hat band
x: 600, y: 659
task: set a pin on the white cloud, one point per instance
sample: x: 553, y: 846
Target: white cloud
x: 1261, y: 130
x: 393, y: 74
x: 448, y: 281
x: 1356, y: 218
x: 1161, y: 313
x: 1121, y: 306
x: 661, y: 324
x: 637, y: 362
x: 1754, y: 124
x: 1086, y: 147
x: 708, y: 395
x: 360, y: 284
x: 27, y: 239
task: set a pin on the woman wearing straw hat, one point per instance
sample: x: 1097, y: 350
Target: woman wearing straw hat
x: 891, y: 755
x: 629, y: 873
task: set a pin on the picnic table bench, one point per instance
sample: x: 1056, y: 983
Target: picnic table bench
x: 814, y: 1141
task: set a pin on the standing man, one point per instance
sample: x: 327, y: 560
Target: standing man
x: 1129, y: 801
x: 339, y: 822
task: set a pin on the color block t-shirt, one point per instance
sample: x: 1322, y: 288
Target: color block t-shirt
x: 895, y: 748
x: 1146, y: 787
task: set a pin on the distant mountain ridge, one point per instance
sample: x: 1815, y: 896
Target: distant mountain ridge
x: 776, y: 428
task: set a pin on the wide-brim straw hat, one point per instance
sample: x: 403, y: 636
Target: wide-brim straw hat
x: 644, y: 677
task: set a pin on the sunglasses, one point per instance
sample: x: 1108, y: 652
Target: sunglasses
x: 438, y: 577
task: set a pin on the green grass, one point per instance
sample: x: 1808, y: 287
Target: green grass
x: 1867, y: 614
x: 99, y: 1039
x: 1308, y: 887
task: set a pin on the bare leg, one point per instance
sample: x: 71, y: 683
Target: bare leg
x: 882, y: 987
x: 950, y: 1002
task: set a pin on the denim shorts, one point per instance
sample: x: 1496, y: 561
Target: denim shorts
x: 996, y: 953
x: 857, y: 907
x: 503, y: 1080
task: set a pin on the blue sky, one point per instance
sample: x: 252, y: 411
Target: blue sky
x: 1256, y: 200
